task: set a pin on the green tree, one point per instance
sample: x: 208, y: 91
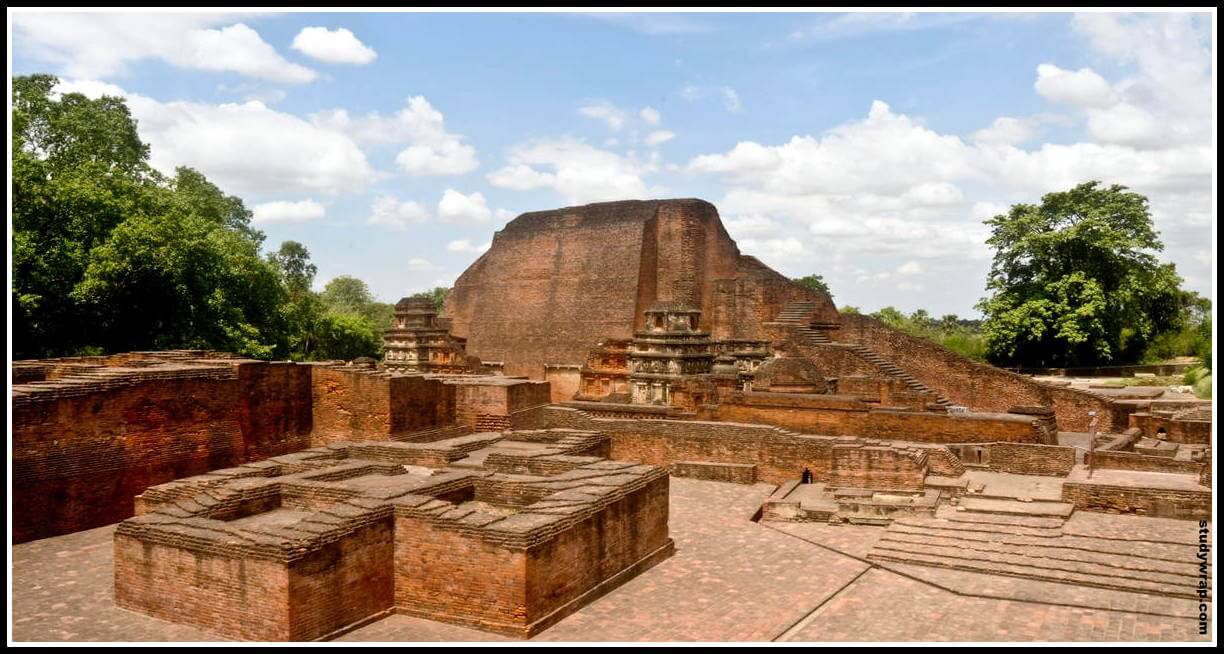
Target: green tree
x: 1075, y: 280
x: 814, y: 282
x: 346, y: 294
x: 293, y: 260
x: 109, y: 254
x: 438, y: 295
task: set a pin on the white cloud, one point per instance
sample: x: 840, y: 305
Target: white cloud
x: 303, y: 211
x: 659, y: 137
x: 456, y: 207
x: 465, y: 246
x: 578, y: 171
x: 389, y: 211
x: 244, y: 148
x: 337, y: 46
x: 96, y: 45
x: 886, y: 188
x: 1081, y: 88
x: 431, y: 149
x: 650, y: 115
x: 1007, y: 130
x: 606, y: 111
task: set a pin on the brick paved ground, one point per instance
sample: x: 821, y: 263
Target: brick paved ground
x: 730, y: 579
x: 63, y: 589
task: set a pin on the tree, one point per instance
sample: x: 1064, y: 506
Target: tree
x: 346, y: 294
x: 438, y: 295
x: 109, y: 254
x: 293, y: 260
x: 814, y: 282
x: 1075, y: 280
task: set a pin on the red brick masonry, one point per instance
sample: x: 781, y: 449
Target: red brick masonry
x: 502, y: 532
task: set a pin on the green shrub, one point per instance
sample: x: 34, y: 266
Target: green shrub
x: 1202, y: 388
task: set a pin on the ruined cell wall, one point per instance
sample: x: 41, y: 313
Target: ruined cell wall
x: 778, y: 454
x: 246, y: 599
x: 1154, y: 502
x: 353, y: 402
x: 849, y: 416
x: 82, y: 450
x: 585, y: 560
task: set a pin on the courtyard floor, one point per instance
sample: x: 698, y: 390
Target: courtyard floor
x: 730, y: 580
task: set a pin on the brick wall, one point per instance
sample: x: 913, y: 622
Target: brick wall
x: 847, y: 416
x: 1131, y: 461
x: 858, y: 465
x: 735, y: 473
x: 1177, y: 431
x: 977, y: 386
x: 245, y: 599
x: 613, y: 545
x: 1032, y: 459
x: 353, y: 403
x: 79, y: 460
x: 1153, y: 502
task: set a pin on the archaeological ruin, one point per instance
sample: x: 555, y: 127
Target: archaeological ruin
x: 604, y: 435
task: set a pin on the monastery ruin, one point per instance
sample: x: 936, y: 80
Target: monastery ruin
x: 531, y: 454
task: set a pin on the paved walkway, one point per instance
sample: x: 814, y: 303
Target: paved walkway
x: 730, y: 579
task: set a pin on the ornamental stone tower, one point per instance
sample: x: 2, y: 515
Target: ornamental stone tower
x: 667, y: 349
x: 420, y: 342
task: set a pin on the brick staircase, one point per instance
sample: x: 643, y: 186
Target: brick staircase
x: 1036, y: 548
x: 800, y: 314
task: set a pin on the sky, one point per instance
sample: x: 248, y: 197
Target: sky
x: 867, y: 148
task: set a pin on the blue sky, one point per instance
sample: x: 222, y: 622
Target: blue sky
x: 864, y: 147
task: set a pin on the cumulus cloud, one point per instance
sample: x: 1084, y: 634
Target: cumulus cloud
x: 337, y: 46
x: 283, y: 212
x: 96, y: 45
x: 1080, y: 88
x: 659, y: 137
x: 431, y: 149
x: 650, y: 115
x: 886, y: 188
x: 578, y: 171
x: 456, y: 207
x: 244, y: 148
x: 389, y: 211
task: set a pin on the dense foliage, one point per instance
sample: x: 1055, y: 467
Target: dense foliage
x: 1076, y: 281
x: 111, y: 255
x: 957, y: 334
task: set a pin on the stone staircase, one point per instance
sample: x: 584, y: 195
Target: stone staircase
x: 800, y: 313
x: 1035, y: 547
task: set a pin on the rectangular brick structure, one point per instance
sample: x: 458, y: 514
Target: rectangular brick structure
x: 506, y: 533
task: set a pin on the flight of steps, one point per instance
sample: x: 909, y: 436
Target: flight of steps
x: 800, y: 314
x: 1036, y: 548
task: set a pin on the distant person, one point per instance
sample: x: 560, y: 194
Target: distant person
x: 806, y: 478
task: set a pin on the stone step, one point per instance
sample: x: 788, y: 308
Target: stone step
x: 1030, y: 572
x: 988, y: 528
x: 1053, y: 556
x: 1070, y: 547
x: 1016, y: 507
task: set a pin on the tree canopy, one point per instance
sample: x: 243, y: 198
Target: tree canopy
x: 111, y: 255
x: 1076, y: 282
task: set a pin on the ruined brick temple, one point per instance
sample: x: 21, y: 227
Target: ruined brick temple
x: 515, y: 458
